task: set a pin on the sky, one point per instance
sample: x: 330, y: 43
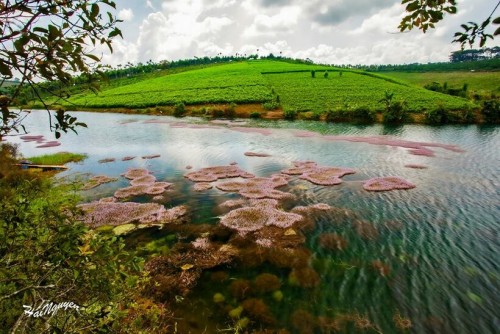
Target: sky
x: 325, y: 31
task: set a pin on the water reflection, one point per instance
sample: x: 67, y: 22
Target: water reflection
x: 427, y: 255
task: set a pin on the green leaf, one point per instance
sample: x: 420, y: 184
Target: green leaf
x: 115, y: 32
x: 497, y: 20
x: 94, y: 11
x: 497, y: 32
x: 5, y: 70
x: 413, y: 6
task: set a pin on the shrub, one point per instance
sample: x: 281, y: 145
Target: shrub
x: 255, y: 114
x: 179, y: 110
x: 313, y: 74
x: 436, y: 116
x: 491, y: 110
x: 357, y: 115
x: 325, y: 75
x: 271, y: 105
x: 363, y: 115
x: 290, y: 114
x: 217, y: 113
x: 316, y: 115
x: 396, y: 112
x: 335, y: 115
x: 230, y: 111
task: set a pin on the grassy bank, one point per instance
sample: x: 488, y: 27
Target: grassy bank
x: 59, y: 158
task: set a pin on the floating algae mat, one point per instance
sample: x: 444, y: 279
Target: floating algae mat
x: 300, y: 227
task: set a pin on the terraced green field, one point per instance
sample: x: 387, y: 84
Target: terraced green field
x: 238, y: 82
x: 479, y: 82
x: 262, y: 81
x: 301, y: 92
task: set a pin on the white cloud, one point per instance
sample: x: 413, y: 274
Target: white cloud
x: 126, y: 14
x: 328, y: 31
x: 284, y: 21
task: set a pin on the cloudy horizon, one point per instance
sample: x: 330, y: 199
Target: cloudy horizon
x: 328, y: 31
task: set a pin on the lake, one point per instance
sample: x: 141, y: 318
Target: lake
x: 427, y: 255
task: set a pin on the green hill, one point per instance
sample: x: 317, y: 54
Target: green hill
x: 259, y: 81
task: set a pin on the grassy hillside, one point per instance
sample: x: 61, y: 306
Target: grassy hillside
x: 482, y: 83
x: 265, y: 81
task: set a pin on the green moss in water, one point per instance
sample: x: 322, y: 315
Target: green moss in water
x: 475, y: 298
x: 157, y: 247
x: 242, y: 323
x: 219, y: 298
x: 105, y: 228
x: 236, y: 312
x: 124, y: 229
x: 278, y: 295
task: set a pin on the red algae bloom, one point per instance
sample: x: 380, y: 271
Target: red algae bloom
x: 387, y: 183
x: 135, y: 173
x: 128, y: 158
x: 255, y: 154
x: 415, y: 166
x: 250, y: 219
x: 325, y: 176
x: 211, y: 174
x: 118, y: 213
x: 151, y: 156
x: 106, y: 160
x: 202, y: 186
x: 96, y: 181
x: 143, y: 180
x: 258, y: 188
x: 49, y: 144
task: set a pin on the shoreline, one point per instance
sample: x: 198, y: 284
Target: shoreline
x: 245, y: 111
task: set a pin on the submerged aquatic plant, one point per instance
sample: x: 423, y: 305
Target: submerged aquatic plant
x: 387, y: 183
x: 310, y: 171
x: 112, y: 213
x: 332, y: 241
x: 266, y: 283
x: 97, y: 180
x: 211, y: 174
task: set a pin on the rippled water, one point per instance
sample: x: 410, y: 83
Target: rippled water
x: 442, y: 253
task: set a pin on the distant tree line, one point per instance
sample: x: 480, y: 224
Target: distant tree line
x: 475, y: 54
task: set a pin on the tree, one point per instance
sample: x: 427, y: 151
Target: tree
x: 424, y: 14
x: 50, y: 40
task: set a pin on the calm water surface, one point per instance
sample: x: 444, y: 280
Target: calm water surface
x: 443, y: 259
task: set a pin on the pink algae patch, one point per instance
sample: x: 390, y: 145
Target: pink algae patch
x: 415, y: 166
x: 387, y: 183
x: 265, y: 132
x: 142, y: 183
x: 255, y: 154
x: 211, y: 174
x: 106, y: 160
x: 259, y: 187
x: 325, y: 176
x: 152, y: 156
x: 422, y: 151
x: 29, y: 138
x: 143, y: 180
x: 202, y: 186
x: 117, y: 213
x: 128, y: 158
x: 417, y: 148
x: 49, y: 144
x: 254, y: 218
x: 305, y: 134
x: 135, y: 173
x: 96, y: 181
